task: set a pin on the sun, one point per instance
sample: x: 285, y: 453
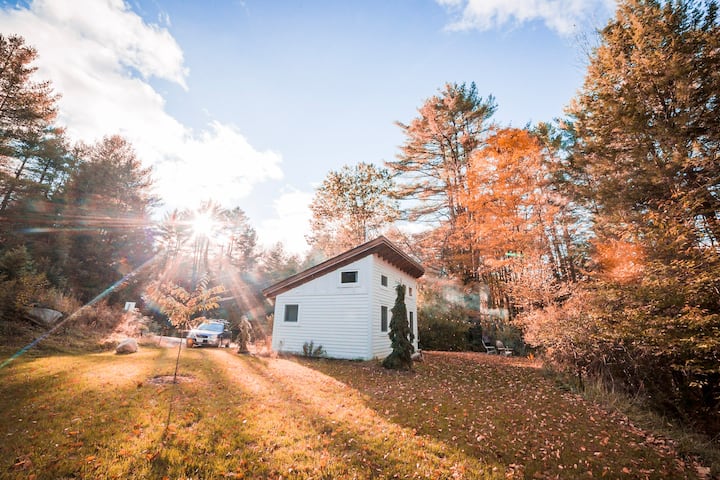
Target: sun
x: 203, y: 225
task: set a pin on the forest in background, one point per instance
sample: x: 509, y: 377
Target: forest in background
x: 590, y: 240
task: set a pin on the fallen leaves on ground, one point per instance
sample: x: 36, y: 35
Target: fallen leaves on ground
x: 456, y: 416
x: 505, y: 409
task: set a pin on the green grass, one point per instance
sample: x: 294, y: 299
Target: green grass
x: 456, y: 416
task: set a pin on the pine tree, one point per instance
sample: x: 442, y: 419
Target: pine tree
x: 646, y: 162
x: 27, y: 110
x: 647, y: 123
x: 433, y: 162
x: 434, y: 158
x: 242, y: 248
x: 276, y: 264
x: 107, y: 204
x: 400, y: 335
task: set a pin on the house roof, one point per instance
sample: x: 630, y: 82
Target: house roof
x: 381, y: 246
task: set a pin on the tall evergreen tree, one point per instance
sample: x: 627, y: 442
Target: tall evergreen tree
x: 400, y: 335
x: 432, y: 164
x: 172, y: 234
x: 40, y: 166
x: 647, y: 164
x: 107, y: 204
x: 34, y: 158
x: 276, y: 264
x: 27, y: 109
x: 647, y: 123
x: 439, y: 142
x: 242, y: 247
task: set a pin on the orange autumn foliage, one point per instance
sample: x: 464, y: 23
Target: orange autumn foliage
x: 620, y: 261
x: 506, y: 204
x: 513, y: 219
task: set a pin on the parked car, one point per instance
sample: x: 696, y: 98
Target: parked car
x: 214, y: 333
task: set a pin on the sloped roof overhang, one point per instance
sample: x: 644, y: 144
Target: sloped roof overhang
x: 381, y: 246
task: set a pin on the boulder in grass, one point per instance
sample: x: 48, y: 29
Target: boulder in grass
x: 129, y: 345
x: 45, y: 316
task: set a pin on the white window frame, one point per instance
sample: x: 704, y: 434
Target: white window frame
x: 297, y: 314
x: 349, y: 284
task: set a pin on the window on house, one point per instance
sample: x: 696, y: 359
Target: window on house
x: 349, y: 277
x: 409, y: 291
x: 291, y: 313
x: 411, y: 323
x: 383, y: 280
x: 383, y: 319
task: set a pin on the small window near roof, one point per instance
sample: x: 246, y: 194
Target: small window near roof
x: 291, y: 313
x: 383, y: 280
x: 349, y: 277
x: 383, y: 319
x: 409, y: 291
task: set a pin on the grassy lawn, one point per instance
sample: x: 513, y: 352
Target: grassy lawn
x: 457, y: 416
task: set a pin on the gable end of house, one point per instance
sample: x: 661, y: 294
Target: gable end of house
x: 380, y: 246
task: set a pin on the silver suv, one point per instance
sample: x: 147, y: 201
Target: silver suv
x: 214, y: 333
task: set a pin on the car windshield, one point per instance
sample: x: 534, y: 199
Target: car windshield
x: 213, y: 327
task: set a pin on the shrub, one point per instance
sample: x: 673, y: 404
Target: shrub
x: 100, y: 317
x: 59, y: 301
x: 613, y: 336
x: 442, y: 334
x: 442, y: 327
x: 20, y: 284
x: 243, y: 337
x: 311, y: 351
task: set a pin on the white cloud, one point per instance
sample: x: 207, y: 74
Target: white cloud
x: 109, y: 32
x: 563, y: 16
x: 292, y: 221
x: 219, y: 157
x: 99, y: 55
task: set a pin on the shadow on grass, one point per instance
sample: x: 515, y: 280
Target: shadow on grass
x: 96, y: 416
x: 505, y: 411
x: 317, y: 428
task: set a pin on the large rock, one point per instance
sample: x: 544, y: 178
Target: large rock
x: 45, y: 316
x: 129, y: 345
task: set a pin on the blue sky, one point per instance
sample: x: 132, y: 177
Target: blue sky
x: 251, y: 103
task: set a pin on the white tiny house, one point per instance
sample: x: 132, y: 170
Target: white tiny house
x: 344, y: 303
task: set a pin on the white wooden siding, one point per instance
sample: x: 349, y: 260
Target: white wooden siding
x: 385, y: 296
x: 343, y: 318
x: 330, y: 314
